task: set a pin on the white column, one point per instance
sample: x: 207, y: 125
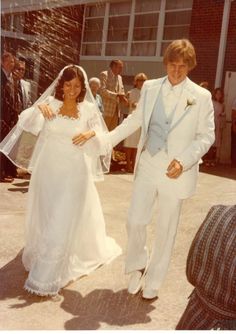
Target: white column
x: 105, y: 29
x: 160, y: 28
x: 223, y: 41
x: 131, y: 28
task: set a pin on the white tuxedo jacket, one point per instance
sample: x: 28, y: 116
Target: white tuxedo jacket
x: 191, y: 134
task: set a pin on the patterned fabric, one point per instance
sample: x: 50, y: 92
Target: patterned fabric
x: 196, y: 317
x: 111, y: 85
x: 211, y: 268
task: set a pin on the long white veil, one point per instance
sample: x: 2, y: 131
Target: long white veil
x: 23, y: 143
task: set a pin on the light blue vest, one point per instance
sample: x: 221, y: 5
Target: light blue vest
x: 159, y: 127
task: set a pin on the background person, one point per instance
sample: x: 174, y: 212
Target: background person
x: 95, y: 84
x: 8, y: 115
x: 220, y: 122
x: 131, y: 142
x: 233, y: 135
x: 22, y: 99
x: 112, y: 92
x: 22, y: 88
x: 204, y: 84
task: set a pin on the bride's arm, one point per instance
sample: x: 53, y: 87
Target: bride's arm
x: 46, y: 111
x: 47, y: 108
x: 90, y: 140
x: 94, y: 123
x: 81, y: 138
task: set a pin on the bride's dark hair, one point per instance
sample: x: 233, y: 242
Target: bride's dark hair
x: 69, y: 74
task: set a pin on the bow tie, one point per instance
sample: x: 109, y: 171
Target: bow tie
x: 173, y: 90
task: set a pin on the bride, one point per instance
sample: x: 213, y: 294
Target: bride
x: 65, y: 228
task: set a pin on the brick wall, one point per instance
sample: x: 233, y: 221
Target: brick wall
x: 61, y: 30
x: 56, y: 38
x: 205, y: 35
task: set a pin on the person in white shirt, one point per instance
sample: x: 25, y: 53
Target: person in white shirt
x: 176, y: 117
x: 95, y: 84
x: 131, y: 142
x: 233, y: 135
x: 22, y: 87
x: 22, y: 99
x: 8, y: 115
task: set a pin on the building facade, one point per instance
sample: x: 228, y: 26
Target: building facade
x: 54, y: 33
x: 50, y: 34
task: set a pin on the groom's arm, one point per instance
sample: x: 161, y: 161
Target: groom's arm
x: 205, y: 134
x: 131, y: 123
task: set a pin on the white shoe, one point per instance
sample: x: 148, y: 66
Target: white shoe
x: 135, y: 282
x: 149, y: 293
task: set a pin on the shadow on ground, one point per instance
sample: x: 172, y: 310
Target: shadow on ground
x: 89, y: 311
x: 12, y: 278
x: 105, y: 306
x: 19, y: 187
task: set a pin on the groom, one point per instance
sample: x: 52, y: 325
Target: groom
x: 177, y: 121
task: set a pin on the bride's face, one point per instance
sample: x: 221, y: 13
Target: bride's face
x: 72, y: 89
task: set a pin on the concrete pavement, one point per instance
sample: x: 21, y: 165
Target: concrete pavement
x: 100, y: 300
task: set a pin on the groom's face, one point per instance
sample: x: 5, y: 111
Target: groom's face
x: 177, y: 71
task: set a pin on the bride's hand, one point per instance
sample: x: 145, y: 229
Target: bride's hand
x: 81, y: 138
x: 46, y: 111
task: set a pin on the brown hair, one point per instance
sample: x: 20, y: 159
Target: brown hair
x: 215, y: 92
x: 116, y: 62
x: 69, y: 74
x: 6, y: 55
x: 181, y: 48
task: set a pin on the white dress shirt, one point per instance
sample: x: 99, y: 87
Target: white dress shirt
x: 171, y: 95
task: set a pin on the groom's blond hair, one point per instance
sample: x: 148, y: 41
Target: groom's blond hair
x: 181, y: 49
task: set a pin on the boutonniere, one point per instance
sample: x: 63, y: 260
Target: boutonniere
x: 190, y: 102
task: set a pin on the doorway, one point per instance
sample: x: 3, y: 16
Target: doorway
x: 230, y: 95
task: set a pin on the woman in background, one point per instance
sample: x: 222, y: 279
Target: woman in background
x: 219, y: 116
x: 95, y: 84
x: 131, y: 142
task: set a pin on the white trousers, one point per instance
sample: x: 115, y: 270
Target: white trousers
x: 152, y: 186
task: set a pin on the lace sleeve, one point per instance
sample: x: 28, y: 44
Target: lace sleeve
x: 21, y: 141
x: 95, y: 148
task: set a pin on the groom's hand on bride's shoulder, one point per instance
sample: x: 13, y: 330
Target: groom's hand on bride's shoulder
x: 46, y: 111
x: 81, y: 138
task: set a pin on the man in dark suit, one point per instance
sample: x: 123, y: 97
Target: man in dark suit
x: 22, y: 88
x: 8, y: 116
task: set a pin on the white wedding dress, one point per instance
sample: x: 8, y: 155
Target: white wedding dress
x: 65, y: 229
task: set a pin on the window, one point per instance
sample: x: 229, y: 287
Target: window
x: 118, y: 28
x: 13, y: 22
x: 6, y: 22
x: 177, y: 21
x: 147, y: 6
x: 145, y: 27
x: 117, y: 49
x: 93, y: 30
x: 134, y: 28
